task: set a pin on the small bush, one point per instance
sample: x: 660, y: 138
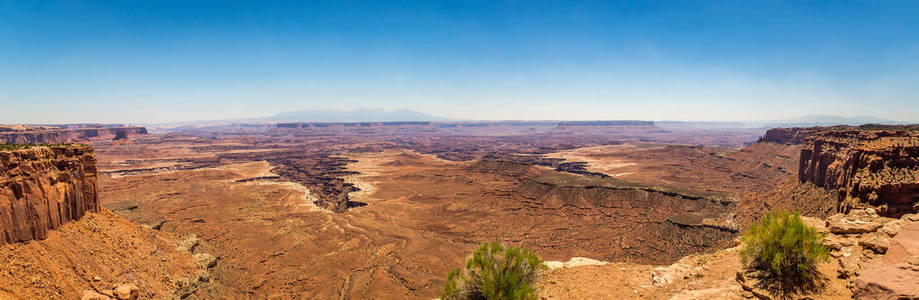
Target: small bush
x: 786, y: 251
x: 495, y: 272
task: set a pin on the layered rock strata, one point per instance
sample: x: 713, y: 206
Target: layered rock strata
x: 47, y: 135
x: 42, y: 188
x: 877, y: 168
x: 865, y: 166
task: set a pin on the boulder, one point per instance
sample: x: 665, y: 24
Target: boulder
x: 127, y: 291
x: 843, y: 224
x: 877, y: 242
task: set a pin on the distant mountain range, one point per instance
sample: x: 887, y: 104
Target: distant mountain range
x: 360, y: 115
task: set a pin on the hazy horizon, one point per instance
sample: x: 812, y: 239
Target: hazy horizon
x: 803, y: 119
x: 175, y: 61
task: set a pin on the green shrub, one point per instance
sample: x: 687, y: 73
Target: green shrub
x: 785, y: 251
x: 495, y: 272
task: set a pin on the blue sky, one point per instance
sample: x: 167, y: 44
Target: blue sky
x: 162, y: 61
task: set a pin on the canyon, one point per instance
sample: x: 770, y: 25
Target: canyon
x: 386, y: 209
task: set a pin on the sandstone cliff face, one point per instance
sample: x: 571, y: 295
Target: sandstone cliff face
x: 42, y: 188
x: 878, y: 168
x: 786, y: 135
x: 800, y: 135
x: 67, y: 135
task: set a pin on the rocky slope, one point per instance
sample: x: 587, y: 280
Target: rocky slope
x: 43, y: 187
x: 104, y: 255
x: 64, y: 134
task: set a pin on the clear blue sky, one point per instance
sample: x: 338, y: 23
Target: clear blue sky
x: 160, y: 61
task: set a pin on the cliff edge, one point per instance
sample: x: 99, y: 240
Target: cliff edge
x: 43, y: 187
x: 65, y: 133
x: 873, y: 166
x: 877, y: 168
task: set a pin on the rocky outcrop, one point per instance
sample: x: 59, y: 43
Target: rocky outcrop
x: 897, y: 276
x: 878, y: 168
x: 865, y: 166
x: 800, y: 135
x: 49, y: 135
x: 791, y: 136
x: 847, y: 224
x: 42, y: 188
x: 905, y: 245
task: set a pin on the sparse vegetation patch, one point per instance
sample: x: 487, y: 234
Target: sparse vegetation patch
x: 495, y: 272
x: 785, y: 251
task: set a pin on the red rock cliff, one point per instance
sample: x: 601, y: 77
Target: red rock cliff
x: 44, y: 187
x: 791, y: 136
x: 66, y: 135
x: 878, y: 167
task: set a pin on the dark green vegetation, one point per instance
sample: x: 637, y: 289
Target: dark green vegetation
x: 785, y: 251
x: 11, y: 147
x: 495, y: 272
